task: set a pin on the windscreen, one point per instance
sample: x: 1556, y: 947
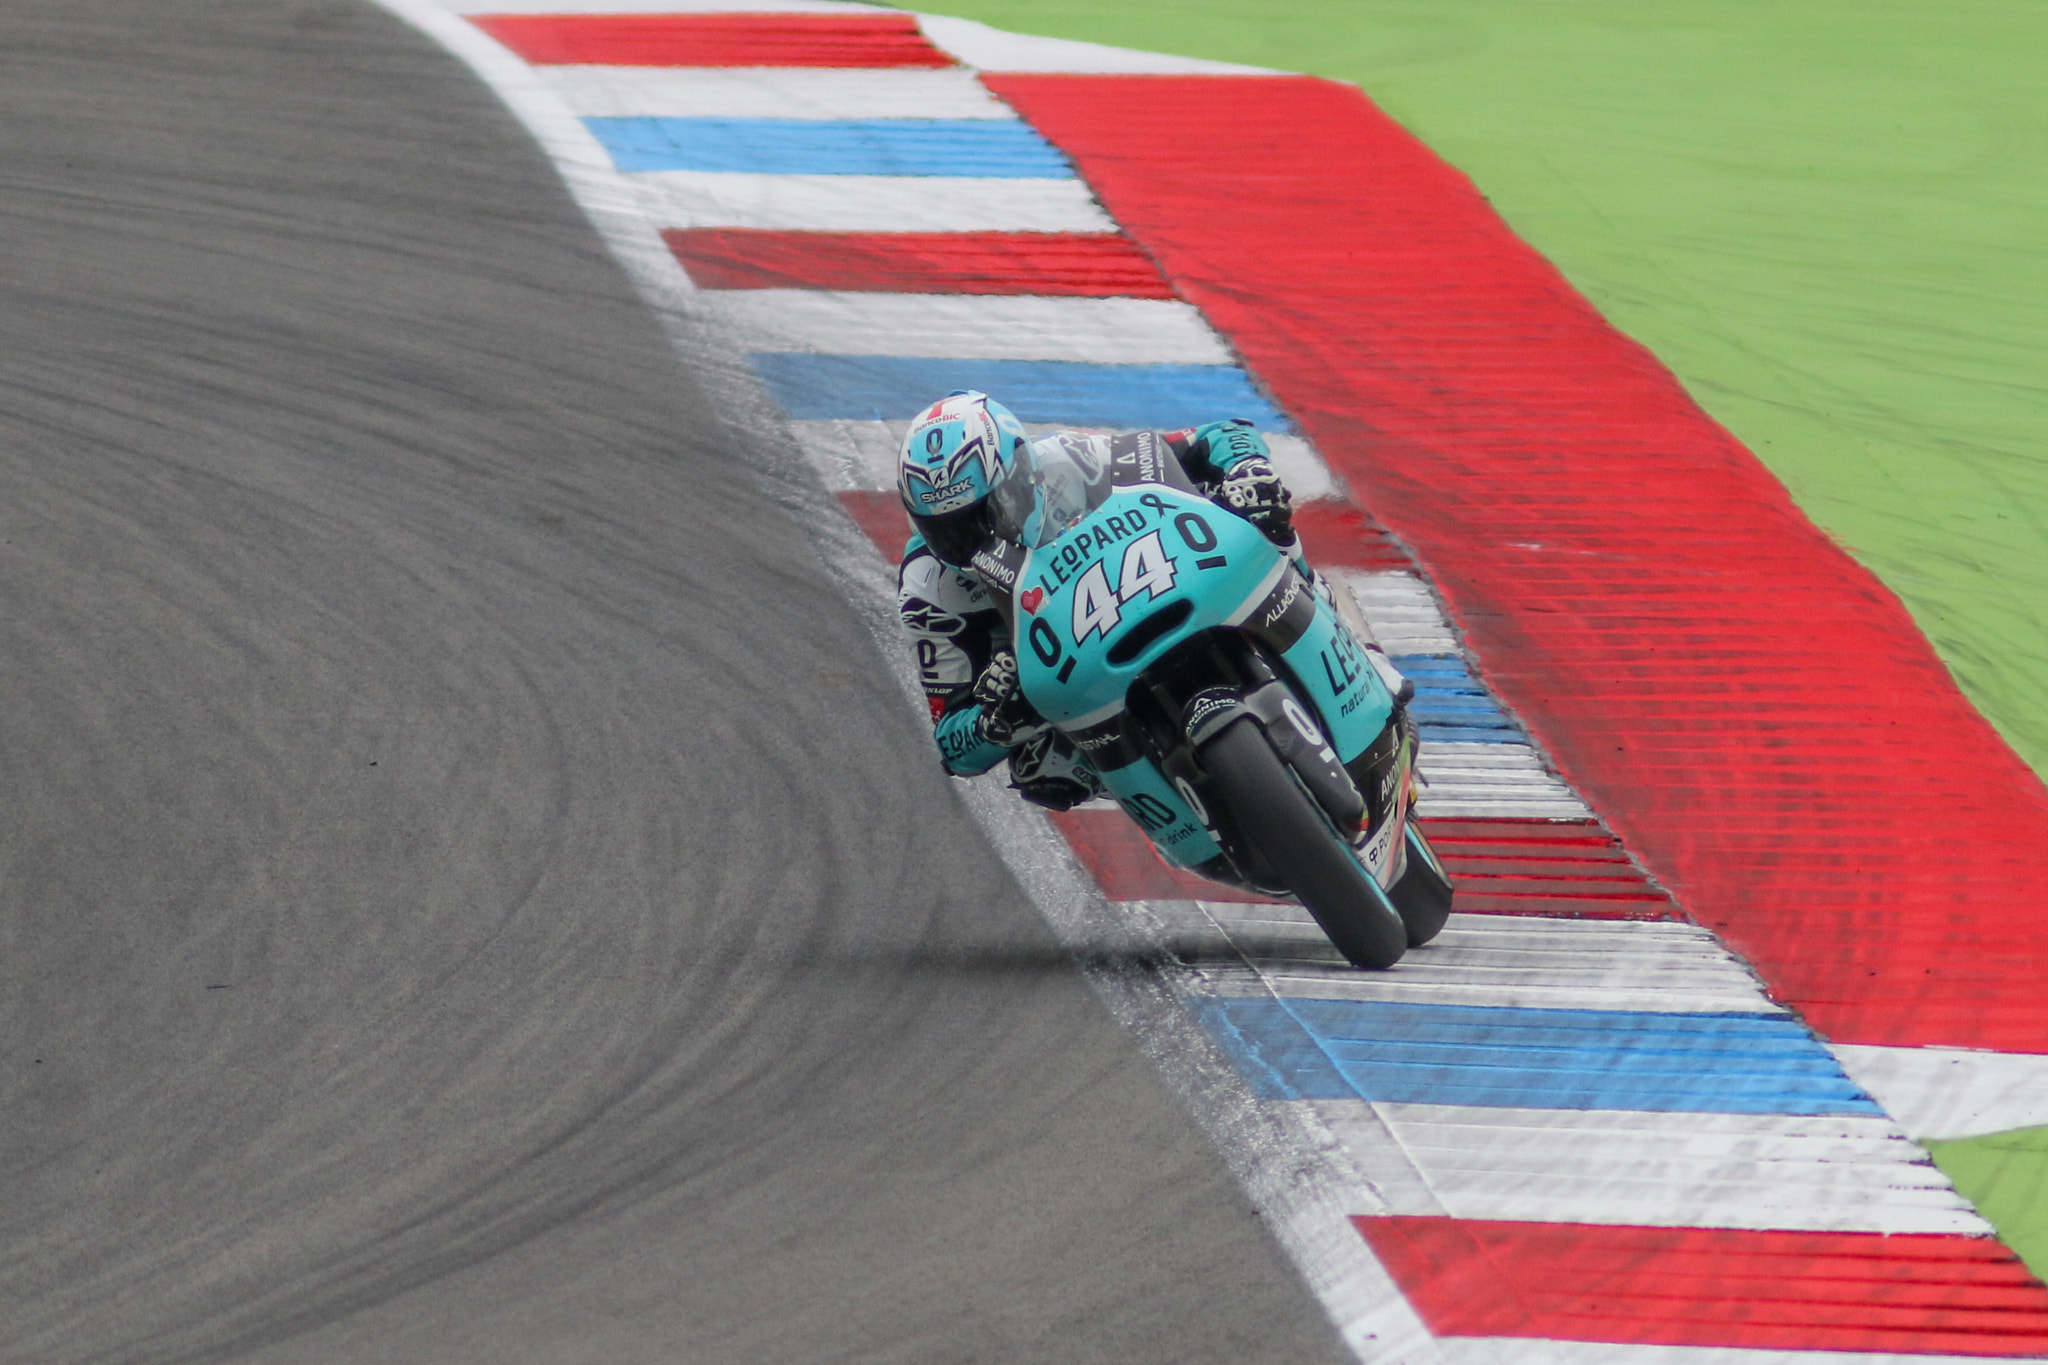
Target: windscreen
x: 1055, y: 481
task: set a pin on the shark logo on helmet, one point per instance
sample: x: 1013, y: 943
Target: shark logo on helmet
x: 951, y: 470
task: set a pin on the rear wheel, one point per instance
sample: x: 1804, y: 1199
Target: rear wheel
x: 1284, y: 823
x: 1423, y: 895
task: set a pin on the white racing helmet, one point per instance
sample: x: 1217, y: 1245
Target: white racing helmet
x: 958, y: 452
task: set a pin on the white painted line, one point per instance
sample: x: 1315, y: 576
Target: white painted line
x: 1846, y: 1173
x: 1502, y: 807
x: 1940, y: 1092
x: 867, y: 203
x: 1455, y: 758
x: 1660, y: 966
x: 852, y: 456
x: 1403, y: 612
x: 971, y: 326
x: 1451, y: 783
x: 991, y: 49
x: 1498, y: 781
x: 772, y: 92
x: 660, y: 7
x: 1531, y: 1351
x: 1297, y: 463
x: 1507, y: 799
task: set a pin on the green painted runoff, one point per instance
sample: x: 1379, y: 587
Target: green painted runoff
x: 2006, y: 1177
x: 1828, y: 218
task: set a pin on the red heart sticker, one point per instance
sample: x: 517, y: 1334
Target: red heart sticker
x: 1033, y: 600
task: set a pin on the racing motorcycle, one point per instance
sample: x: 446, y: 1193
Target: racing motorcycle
x: 1237, y: 710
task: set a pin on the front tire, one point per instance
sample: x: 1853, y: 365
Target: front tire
x: 1284, y: 823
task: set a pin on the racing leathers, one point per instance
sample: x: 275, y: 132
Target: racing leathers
x: 965, y: 659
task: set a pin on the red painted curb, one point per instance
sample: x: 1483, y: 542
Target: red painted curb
x: 1337, y: 535
x: 1756, y: 715
x: 1665, y: 1286
x: 1062, y: 264
x: 881, y: 519
x: 852, y: 40
x: 1568, y: 869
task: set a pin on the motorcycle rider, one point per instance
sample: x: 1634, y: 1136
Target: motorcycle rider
x: 958, y: 452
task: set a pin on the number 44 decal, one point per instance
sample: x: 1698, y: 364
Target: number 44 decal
x: 1146, y: 569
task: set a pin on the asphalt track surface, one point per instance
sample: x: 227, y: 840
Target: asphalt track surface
x: 471, y: 891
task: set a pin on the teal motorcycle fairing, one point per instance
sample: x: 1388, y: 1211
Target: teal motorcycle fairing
x: 1147, y: 567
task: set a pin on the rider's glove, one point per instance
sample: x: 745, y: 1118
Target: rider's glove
x: 1049, y: 771
x: 1006, y: 718
x: 1253, y: 490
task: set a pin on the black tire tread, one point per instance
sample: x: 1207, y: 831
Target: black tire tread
x: 1282, y: 820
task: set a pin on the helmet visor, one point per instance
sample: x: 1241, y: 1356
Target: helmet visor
x: 954, y: 536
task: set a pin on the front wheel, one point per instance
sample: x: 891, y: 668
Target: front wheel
x: 1286, y: 826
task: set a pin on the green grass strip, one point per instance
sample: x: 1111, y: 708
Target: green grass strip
x: 2006, y: 1177
x: 1829, y: 219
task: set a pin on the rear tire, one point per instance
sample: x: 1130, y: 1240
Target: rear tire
x: 1284, y: 823
x: 1423, y: 895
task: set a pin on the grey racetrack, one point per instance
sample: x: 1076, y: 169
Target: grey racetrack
x: 470, y: 890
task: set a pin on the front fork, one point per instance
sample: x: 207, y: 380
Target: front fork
x: 1367, y: 797
x: 1386, y: 770
x: 1387, y: 774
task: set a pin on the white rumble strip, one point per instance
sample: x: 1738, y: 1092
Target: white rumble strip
x: 771, y: 92
x: 864, y: 203
x: 1520, y: 961
x: 971, y: 327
